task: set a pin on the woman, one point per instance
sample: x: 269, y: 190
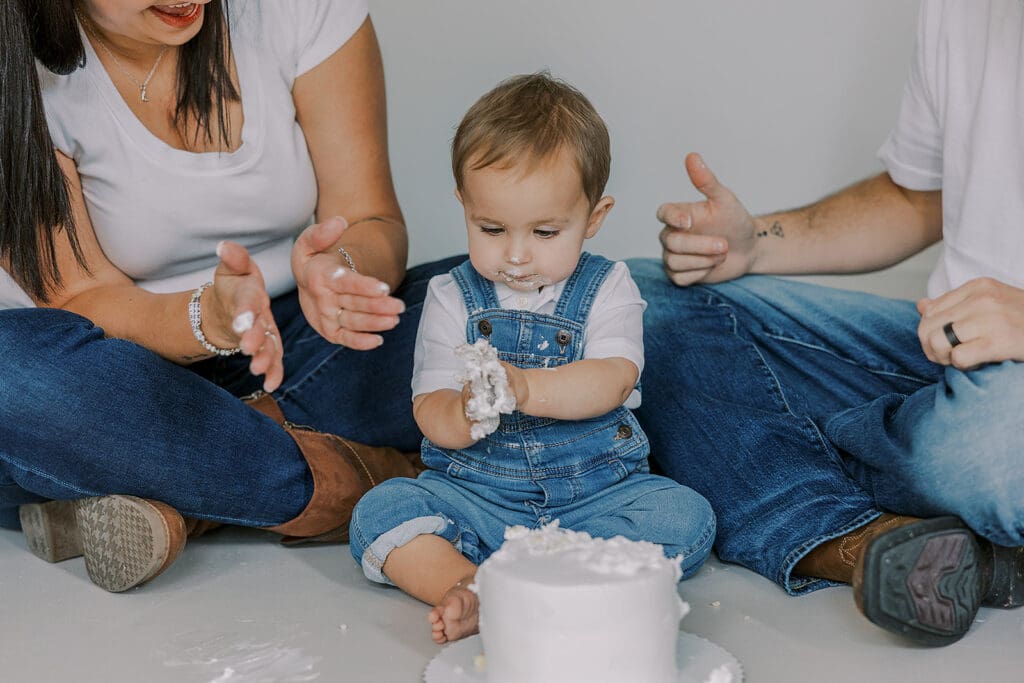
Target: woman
x: 196, y: 141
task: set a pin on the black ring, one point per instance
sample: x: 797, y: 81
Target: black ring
x: 950, y: 334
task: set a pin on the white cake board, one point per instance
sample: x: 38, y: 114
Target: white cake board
x: 696, y: 658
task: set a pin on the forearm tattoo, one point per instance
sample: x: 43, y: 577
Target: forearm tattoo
x: 776, y: 230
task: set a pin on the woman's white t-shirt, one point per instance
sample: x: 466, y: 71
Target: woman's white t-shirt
x: 159, y: 212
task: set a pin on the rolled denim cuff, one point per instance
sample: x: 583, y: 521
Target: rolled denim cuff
x: 378, y: 551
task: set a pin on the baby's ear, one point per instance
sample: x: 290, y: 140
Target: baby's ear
x: 597, y: 216
x: 458, y: 195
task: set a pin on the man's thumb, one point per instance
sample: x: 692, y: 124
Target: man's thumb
x: 702, y: 177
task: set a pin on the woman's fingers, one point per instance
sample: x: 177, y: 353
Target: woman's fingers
x: 252, y: 321
x: 357, y: 321
x: 234, y: 259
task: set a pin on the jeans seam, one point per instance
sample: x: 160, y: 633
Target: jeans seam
x: 850, y: 361
x: 775, y: 384
x: 707, y: 535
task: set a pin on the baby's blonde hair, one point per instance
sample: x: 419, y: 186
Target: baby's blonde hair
x: 534, y: 116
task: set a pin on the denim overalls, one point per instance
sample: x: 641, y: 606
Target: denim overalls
x: 591, y: 475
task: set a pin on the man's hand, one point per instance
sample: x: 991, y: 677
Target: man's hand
x: 987, y: 317
x: 708, y: 241
x: 345, y: 307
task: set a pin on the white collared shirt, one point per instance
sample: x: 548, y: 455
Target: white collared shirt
x: 614, y: 328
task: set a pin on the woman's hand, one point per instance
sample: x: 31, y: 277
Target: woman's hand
x: 708, y: 241
x: 987, y: 317
x: 344, y: 306
x: 236, y: 312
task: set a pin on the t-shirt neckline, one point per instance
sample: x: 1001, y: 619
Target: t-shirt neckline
x: 158, y: 150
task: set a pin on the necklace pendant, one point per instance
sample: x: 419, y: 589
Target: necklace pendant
x: 142, y: 90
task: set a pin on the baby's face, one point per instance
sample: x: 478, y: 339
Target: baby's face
x: 527, y: 224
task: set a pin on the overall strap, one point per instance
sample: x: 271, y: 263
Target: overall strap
x: 477, y: 292
x: 582, y: 287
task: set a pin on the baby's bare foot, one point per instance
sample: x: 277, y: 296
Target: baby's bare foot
x: 456, y: 615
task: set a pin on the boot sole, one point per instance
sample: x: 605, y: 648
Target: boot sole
x: 923, y: 581
x: 51, y: 531
x: 126, y: 540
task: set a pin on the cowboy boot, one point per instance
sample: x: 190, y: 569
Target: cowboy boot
x: 926, y: 580
x: 836, y: 559
x: 126, y: 540
x: 342, y: 472
x: 194, y: 527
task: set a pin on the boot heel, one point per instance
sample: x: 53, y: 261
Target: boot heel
x: 1007, y: 589
x: 51, y: 530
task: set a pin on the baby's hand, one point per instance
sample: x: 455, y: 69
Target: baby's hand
x: 486, y: 392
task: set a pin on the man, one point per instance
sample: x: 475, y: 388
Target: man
x: 802, y: 412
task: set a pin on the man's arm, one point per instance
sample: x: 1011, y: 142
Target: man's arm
x: 867, y: 226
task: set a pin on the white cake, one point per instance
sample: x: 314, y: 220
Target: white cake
x: 558, y: 606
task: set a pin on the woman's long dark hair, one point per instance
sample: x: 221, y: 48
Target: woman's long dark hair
x: 34, y: 201
x: 204, y: 75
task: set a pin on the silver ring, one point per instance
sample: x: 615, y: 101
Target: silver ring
x: 950, y: 334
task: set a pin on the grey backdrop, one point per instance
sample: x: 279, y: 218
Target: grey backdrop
x: 787, y: 100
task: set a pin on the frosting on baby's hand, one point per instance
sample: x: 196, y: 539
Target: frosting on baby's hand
x: 490, y: 394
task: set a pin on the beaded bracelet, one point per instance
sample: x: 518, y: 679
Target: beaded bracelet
x: 195, y: 317
x: 348, y: 259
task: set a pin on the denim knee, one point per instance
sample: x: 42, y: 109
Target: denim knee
x: 701, y: 524
x: 969, y: 449
x: 390, y: 515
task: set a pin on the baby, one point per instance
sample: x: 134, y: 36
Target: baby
x: 531, y: 159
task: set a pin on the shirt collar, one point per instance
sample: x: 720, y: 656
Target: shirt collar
x: 528, y: 301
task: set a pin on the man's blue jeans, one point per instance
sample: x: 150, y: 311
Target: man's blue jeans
x: 83, y: 415
x: 800, y: 412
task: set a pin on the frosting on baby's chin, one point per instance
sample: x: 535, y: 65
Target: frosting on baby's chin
x: 519, y: 280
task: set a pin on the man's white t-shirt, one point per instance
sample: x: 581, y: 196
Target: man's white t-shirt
x: 961, y: 130
x: 159, y: 212
x: 614, y: 327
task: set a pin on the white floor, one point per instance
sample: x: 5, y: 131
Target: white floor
x: 238, y: 608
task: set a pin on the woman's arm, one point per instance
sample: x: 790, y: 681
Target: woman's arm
x: 159, y: 322
x: 340, y: 106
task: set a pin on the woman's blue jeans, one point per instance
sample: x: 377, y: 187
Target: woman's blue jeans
x: 84, y: 415
x: 800, y: 412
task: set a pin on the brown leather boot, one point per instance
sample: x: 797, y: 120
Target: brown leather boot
x: 126, y: 540
x: 342, y: 471
x: 926, y: 580
x: 195, y: 528
x: 835, y: 560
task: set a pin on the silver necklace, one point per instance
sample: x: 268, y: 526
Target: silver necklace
x: 141, y: 85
